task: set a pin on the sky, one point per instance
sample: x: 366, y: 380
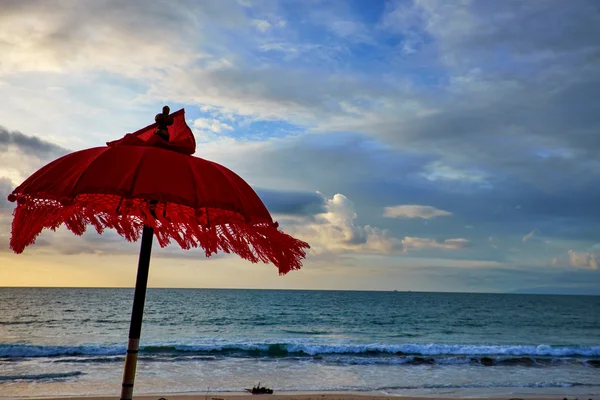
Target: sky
x: 424, y: 145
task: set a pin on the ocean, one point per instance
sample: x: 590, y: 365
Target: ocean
x: 72, y: 342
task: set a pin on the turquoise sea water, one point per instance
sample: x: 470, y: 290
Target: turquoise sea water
x: 72, y: 342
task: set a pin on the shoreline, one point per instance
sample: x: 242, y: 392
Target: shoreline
x: 292, y: 396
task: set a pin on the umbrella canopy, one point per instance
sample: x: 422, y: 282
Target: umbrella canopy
x: 147, y: 184
x: 143, y: 179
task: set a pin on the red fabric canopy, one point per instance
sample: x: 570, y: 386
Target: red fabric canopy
x: 142, y: 179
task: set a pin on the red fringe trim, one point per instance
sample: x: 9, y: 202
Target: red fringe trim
x: 209, y: 228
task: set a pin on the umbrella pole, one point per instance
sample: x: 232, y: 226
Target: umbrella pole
x: 137, y: 312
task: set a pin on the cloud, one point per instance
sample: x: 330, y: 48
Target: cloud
x: 261, y: 25
x: 341, y: 20
x: 20, y: 155
x: 408, y: 22
x: 501, y: 23
x: 466, y: 105
x: 414, y: 211
x: 415, y: 243
x: 213, y: 125
x: 50, y: 36
x: 28, y: 144
x: 529, y: 235
x: 345, y: 28
x: 497, y: 118
x: 6, y: 187
x: 584, y: 260
x: 292, y: 202
x: 436, y: 171
x: 335, y: 230
x: 374, y: 177
x: 271, y: 92
x: 462, y: 122
x: 292, y: 50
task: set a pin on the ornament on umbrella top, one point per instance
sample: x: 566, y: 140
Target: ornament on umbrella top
x: 164, y: 120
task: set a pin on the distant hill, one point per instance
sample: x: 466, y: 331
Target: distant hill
x: 584, y: 291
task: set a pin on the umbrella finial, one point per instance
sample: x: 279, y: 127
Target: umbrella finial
x: 163, y: 120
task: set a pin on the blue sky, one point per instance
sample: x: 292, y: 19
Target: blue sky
x: 416, y: 145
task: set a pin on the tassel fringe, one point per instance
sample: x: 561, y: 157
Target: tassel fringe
x: 210, y: 228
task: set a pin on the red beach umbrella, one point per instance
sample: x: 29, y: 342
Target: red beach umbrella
x: 148, y: 184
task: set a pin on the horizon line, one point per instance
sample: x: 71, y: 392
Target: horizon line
x: 298, y: 289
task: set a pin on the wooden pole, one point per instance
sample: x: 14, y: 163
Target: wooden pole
x: 137, y: 312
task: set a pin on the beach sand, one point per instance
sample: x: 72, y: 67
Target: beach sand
x: 283, y: 396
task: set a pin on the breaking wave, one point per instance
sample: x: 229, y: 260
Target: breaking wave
x: 410, y: 354
x: 40, y: 377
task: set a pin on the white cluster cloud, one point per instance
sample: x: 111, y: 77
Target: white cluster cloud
x: 584, y: 260
x: 414, y: 211
x: 213, y: 125
x: 336, y: 230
